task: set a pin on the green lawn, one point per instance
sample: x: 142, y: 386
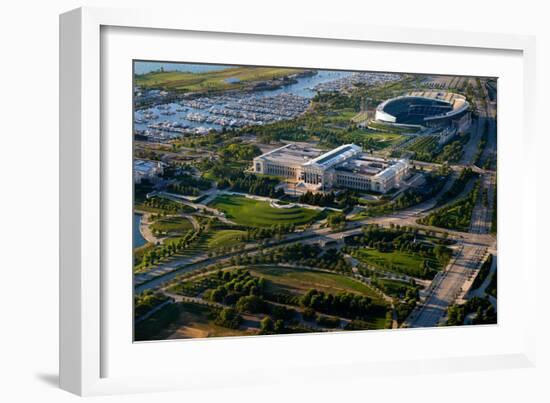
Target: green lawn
x: 295, y: 281
x: 423, y: 144
x: 225, y: 237
x: 401, y: 262
x: 256, y: 213
x: 394, y: 288
x: 372, y: 140
x: 172, y: 225
x: 360, y: 117
x: 391, y: 128
x: 200, y: 245
x: 212, y: 80
x: 388, y: 138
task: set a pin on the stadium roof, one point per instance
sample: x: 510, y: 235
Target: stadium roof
x: 419, y: 108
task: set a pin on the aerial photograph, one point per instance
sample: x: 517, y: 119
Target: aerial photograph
x: 282, y: 200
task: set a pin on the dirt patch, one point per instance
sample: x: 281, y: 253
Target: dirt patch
x: 187, y: 332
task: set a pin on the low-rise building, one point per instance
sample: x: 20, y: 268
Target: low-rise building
x: 370, y: 173
x: 147, y: 169
x: 286, y: 161
x: 345, y: 166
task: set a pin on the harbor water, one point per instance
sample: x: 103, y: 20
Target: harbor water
x: 184, y: 116
x: 138, y: 238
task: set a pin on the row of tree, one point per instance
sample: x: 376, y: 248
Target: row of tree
x: 456, y: 216
x: 167, y: 206
x: 299, y: 254
x: 318, y: 199
x: 484, y: 311
x: 458, y: 186
x: 169, y: 248
x: 252, y: 184
x: 344, y: 304
x: 233, y: 285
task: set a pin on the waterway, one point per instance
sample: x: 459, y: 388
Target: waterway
x: 147, y: 67
x: 138, y: 238
x: 304, y: 87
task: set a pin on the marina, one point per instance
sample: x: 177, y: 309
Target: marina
x: 347, y: 83
x: 237, y: 109
x: 165, y: 120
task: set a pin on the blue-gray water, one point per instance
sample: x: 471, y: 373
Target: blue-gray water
x: 138, y: 239
x: 303, y: 87
x: 147, y: 67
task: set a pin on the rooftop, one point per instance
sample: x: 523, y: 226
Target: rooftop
x: 291, y: 154
x: 364, y: 165
x: 336, y: 156
x: 390, y: 171
x: 145, y: 166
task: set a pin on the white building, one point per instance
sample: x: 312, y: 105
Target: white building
x: 286, y: 161
x: 146, y: 169
x: 370, y: 173
x: 345, y: 166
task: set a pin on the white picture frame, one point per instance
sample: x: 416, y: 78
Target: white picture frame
x: 85, y: 344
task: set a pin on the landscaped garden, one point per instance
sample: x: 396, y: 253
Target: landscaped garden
x: 258, y: 213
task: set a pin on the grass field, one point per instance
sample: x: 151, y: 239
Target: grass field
x: 225, y: 237
x: 379, y: 141
x: 360, y: 117
x: 198, y: 246
x: 212, y: 80
x: 423, y: 144
x: 295, y: 281
x: 372, y: 140
x: 391, y: 128
x: 394, y: 288
x: 396, y: 261
x: 172, y: 225
x: 256, y: 213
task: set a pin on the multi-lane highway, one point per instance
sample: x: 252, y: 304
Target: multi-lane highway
x: 447, y: 286
x: 452, y: 284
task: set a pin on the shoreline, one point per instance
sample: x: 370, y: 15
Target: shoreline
x: 144, y: 230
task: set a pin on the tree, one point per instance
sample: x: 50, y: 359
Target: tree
x: 251, y: 304
x: 266, y: 325
x: 279, y: 326
x: 228, y: 317
x: 336, y: 219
